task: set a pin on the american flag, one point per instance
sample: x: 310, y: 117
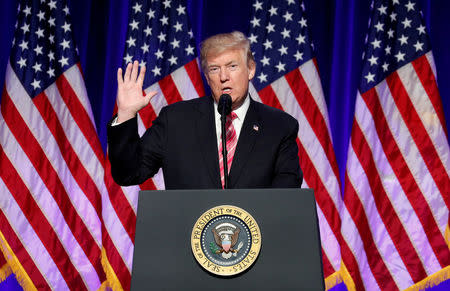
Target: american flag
x: 51, y: 161
x: 397, y: 181
x: 287, y: 78
x: 159, y: 37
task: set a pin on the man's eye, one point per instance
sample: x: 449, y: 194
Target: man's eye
x: 213, y: 70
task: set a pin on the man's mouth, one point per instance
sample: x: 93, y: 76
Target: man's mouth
x: 226, y: 90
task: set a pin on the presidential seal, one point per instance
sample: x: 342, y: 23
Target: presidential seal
x: 226, y: 240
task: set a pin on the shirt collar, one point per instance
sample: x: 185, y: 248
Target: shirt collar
x: 240, y: 112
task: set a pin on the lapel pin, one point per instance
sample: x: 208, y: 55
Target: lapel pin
x: 255, y: 127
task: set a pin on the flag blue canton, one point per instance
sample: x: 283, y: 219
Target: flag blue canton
x: 396, y: 37
x: 279, y: 39
x: 42, y: 47
x: 159, y: 37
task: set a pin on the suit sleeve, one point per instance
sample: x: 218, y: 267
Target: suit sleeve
x: 135, y: 159
x: 287, y: 172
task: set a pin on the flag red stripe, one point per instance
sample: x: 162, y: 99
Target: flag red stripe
x: 169, y: 89
x: 116, y: 262
x: 78, y: 171
x: 429, y: 83
x: 327, y: 266
x: 195, y: 76
x: 120, y: 203
x: 269, y: 97
x: 80, y: 116
x: 384, y: 206
x: 313, y: 115
x: 348, y: 258
x: 374, y: 259
x: 148, y: 185
x: 322, y: 197
x: 406, y: 179
x: 20, y: 252
x: 419, y: 134
x: 2, y: 259
x: 46, y: 171
x: 147, y: 115
x: 37, y: 219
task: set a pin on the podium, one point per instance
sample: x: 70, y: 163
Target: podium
x: 290, y: 254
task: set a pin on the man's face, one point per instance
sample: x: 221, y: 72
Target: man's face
x: 228, y: 73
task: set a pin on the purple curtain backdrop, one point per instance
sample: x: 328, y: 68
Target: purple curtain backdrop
x: 338, y: 30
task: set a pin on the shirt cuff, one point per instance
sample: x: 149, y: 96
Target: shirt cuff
x: 114, y: 122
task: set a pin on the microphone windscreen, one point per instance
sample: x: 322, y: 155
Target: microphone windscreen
x: 224, y: 105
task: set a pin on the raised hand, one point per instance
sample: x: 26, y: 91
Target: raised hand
x: 130, y: 98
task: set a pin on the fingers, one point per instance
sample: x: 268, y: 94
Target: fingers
x: 131, y: 74
x: 134, y: 71
x: 119, y: 77
x: 127, y: 73
x: 141, y: 77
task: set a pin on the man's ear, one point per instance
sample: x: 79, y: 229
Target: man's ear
x: 251, y: 69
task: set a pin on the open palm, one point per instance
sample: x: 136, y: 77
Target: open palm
x: 130, y: 97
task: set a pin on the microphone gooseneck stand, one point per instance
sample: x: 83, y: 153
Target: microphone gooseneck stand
x: 224, y: 108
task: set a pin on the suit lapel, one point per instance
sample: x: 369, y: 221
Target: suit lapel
x: 207, y: 138
x: 247, y: 138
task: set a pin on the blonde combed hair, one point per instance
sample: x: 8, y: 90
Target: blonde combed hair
x: 219, y: 43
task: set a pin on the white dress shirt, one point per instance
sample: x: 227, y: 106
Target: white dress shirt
x: 237, y: 122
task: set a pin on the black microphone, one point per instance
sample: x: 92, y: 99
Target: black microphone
x: 224, y: 105
x: 224, y: 108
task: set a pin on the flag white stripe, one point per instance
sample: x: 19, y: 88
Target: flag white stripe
x: 46, y: 140
x: 141, y: 126
x: 331, y: 249
x: 159, y: 101
x: 131, y: 194
x: 394, y: 191
x: 429, y: 56
x: 305, y: 184
x: 380, y: 235
x: 33, y: 244
x: 117, y: 233
x: 184, y: 84
x: 426, y: 112
x: 48, y: 206
x: 410, y: 152
x: 309, y: 139
x: 75, y: 79
x: 353, y: 240
x: 312, y: 79
x: 158, y: 180
x: 75, y: 136
x: 320, y: 161
x: 253, y: 93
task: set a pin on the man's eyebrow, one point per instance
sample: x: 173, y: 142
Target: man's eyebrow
x: 229, y: 63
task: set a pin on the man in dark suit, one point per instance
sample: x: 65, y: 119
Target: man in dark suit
x: 184, y: 139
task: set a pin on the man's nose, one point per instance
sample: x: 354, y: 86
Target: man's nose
x: 224, y: 75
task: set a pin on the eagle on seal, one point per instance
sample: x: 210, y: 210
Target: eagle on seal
x: 226, y: 236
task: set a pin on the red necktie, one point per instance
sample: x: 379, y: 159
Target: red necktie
x: 231, y: 145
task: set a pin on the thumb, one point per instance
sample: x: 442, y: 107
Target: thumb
x: 149, y: 96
